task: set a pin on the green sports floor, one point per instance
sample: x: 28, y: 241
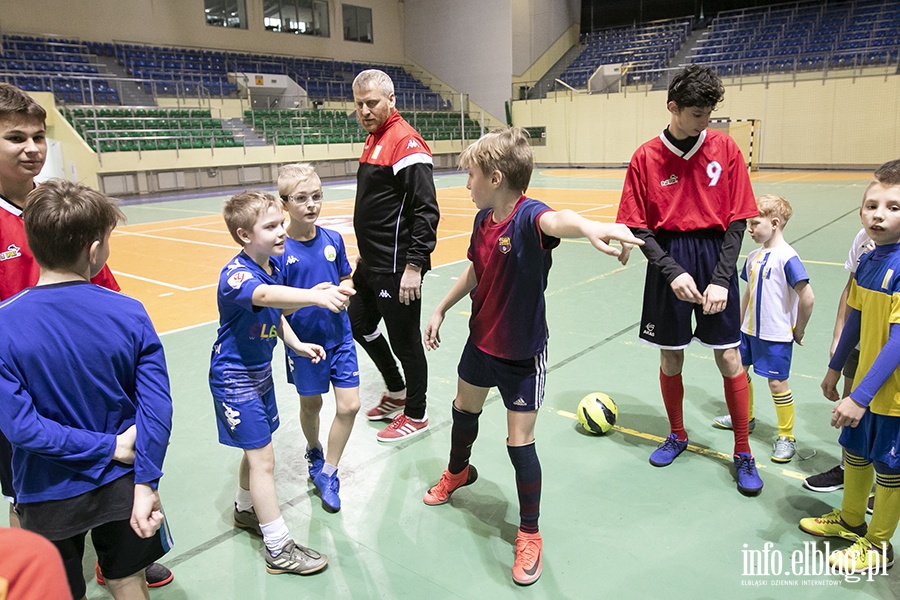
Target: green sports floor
x: 613, y: 525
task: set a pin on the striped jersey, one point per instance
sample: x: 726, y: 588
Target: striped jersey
x: 875, y: 292
x: 771, y: 274
x: 511, y: 261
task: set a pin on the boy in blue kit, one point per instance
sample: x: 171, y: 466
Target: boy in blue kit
x: 250, y: 303
x: 776, y: 307
x: 510, y: 253
x: 313, y: 254
x: 870, y: 415
x: 86, y: 401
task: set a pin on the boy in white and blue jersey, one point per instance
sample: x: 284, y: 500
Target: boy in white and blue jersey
x: 776, y: 307
x: 86, y: 402
x: 250, y: 303
x: 313, y: 255
x: 512, y: 239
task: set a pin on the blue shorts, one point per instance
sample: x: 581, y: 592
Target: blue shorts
x: 521, y: 382
x: 666, y: 321
x: 246, y: 412
x: 339, y: 367
x: 771, y: 360
x: 876, y: 438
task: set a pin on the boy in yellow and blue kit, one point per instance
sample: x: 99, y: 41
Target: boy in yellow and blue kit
x: 870, y: 415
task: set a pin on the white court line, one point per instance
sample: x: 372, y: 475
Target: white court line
x: 159, y: 237
x: 204, y: 230
x: 180, y: 288
x: 187, y: 328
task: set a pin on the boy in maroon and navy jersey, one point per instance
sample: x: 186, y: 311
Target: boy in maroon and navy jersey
x: 510, y: 253
x: 395, y: 219
x: 687, y: 195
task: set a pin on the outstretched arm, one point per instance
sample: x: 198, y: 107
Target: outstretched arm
x: 334, y: 298
x: 569, y: 224
x: 465, y: 284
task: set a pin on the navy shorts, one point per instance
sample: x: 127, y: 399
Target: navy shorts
x: 521, y: 382
x: 246, y: 412
x: 876, y: 438
x: 339, y: 367
x: 771, y: 360
x: 666, y: 321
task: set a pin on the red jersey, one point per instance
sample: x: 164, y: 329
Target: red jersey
x: 18, y: 269
x: 706, y: 187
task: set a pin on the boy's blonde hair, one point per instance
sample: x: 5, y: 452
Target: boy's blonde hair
x: 506, y: 150
x: 770, y: 206
x: 62, y: 218
x: 242, y: 210
x: 290, y: 175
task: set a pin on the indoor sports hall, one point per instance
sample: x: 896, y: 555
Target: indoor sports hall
x: 811, y: 129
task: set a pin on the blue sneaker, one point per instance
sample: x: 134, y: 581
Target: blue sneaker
x: 748, y: 481
x: 668, y: 451
x: 329, y: 486
x: 316, y: 461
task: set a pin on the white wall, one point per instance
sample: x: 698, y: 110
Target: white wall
x: 182, y: 23
x: 537, y: 24
x: 465, y: 43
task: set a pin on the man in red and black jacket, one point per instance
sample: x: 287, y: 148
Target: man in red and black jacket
x: 395, y: 219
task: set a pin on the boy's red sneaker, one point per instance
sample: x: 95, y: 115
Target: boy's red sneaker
x: 527, y: 568
x: 449, y: 483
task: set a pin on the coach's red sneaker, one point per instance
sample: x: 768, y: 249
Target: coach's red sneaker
x: 401, y: 428
x: 527, y: 568
x: 386, y: 409
x: 156, y: 574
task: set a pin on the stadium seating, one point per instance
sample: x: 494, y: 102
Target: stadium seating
x: 114, y: 129
x: 802, y: 36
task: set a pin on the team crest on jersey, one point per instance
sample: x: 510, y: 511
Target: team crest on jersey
x: 330, y: 253
x: 237, y: 279
x: 12, y: 251
x: 412, y: 144
x: 672, y: 180
x: 505, y: 244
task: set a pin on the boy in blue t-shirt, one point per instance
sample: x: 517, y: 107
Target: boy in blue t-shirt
x: 870, y: 415
x: 313, y: 255
x: 86, y: 402
x: 250, y: 303
x: 510, y: 253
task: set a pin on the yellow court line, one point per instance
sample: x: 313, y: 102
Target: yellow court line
x: 691, y: 447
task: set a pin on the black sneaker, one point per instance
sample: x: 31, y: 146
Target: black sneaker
x: 829, y: 481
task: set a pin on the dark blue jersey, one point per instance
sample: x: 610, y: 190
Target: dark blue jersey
x: 511, y: 261
x: 247, y: 333
x: 307, y: 264
x: 80, y: 364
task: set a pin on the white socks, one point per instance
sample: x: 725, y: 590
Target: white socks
x: 275, y: 535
